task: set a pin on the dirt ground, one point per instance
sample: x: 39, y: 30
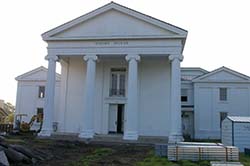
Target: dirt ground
x: 76, y: 153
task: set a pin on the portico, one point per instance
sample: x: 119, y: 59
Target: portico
x: 148, y: 81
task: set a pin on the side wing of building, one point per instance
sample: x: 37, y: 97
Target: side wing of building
x: 218, y: 94
x: 31, y: 93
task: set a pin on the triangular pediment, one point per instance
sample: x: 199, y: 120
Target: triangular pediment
x: 38, y: 74
x: 223, y: 74
x: 114, y: 21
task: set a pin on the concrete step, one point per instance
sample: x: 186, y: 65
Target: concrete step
x: 111, y: 138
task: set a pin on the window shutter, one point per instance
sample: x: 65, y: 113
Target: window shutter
x: 114, y: 84
x: 122, y: 85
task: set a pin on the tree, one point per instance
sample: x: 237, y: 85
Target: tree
x: 9, y: 119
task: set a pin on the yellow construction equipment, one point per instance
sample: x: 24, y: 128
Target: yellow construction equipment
x: 25, y: 127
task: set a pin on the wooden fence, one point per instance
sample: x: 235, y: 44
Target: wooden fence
x: 6, y: 127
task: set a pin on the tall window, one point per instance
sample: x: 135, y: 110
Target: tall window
x: 117, y: 86
x: 223, y: 94
x: 184, y: 95
x: 41, y: 92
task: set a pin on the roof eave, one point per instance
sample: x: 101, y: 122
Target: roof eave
x: 20, y: 77
x: 182, y: 37
x: 221, y: 81
x: 199, y: 79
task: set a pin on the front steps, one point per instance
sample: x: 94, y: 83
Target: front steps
x: 110, y: 138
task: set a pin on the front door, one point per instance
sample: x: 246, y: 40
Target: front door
x: 116, y: 118
x: 188, y: 124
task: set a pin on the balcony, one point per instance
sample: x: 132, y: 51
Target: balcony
x: 117, y: 92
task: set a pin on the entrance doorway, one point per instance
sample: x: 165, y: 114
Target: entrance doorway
x: 188, y: 124
x: 116, y: 118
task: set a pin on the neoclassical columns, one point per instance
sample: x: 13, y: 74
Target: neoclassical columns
x: 131, y: 114
x: 88, y: 112
x: 49, y: 97
x: 176, y: 130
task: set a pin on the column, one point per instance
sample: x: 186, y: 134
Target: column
x: 175, y: 103
x: 63, y: 94
x: 47, y: 128
x: 131, y: 113
x: 88, y: 112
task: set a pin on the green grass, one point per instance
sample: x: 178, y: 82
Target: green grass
x: 245, y: 159
x: 43, y: 141
x: 14, y: 141
x: 96, y: 155
x: 152, y: 160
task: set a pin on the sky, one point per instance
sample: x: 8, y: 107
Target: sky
x: 218, y: 32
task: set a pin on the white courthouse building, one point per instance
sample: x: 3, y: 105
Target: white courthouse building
x: 120, y: 73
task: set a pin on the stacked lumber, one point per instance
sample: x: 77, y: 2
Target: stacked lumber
x: 199, y: 151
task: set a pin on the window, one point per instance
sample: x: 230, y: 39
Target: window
x: 184, y: 95
x: 223, y: 94
x: 117, y: 86
x: 41, y: 92
x: 39, y: 115
x: 223, y: 116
